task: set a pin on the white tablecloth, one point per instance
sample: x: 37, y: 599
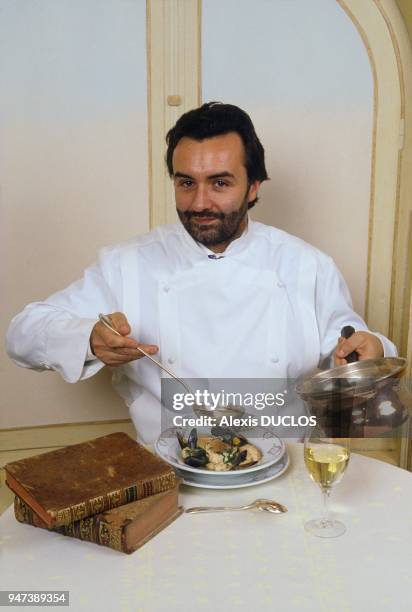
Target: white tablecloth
x: 240, y: 561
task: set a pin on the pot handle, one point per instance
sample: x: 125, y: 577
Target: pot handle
x: 347, y: 332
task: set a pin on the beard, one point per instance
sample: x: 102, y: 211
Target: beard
x: 225, y: 227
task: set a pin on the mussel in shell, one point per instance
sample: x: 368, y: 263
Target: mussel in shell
x: 195, y: 457
x: 192, y: 454
x: 191, y: 440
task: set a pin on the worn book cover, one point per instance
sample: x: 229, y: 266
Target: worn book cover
x: 75, y: 482
x: 125, y: 528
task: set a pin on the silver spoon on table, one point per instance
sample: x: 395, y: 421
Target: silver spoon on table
x: 107, y: 322
x: 265, y: 505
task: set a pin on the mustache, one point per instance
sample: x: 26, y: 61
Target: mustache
x: 189, y: 214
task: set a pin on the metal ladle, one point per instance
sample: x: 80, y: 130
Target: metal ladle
x: 264, y: 505
x: 198, y: 409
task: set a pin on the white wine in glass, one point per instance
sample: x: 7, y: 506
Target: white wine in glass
x: 326, y: 460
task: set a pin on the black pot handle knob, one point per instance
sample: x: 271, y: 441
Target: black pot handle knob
x: 347, y: 332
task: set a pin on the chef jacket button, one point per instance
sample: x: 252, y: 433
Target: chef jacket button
x: 275, y: 360
x: 171, y: 360
x: 166, y: 289
x: 280, y: 284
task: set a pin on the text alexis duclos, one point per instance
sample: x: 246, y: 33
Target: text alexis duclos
x: 248, y: 421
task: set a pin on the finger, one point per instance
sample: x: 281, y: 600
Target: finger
x: 134, y: 353
x: 337, y: 361
x: 152, y: 349
x: 120, y: 323
x: 114, y: 358
x: 127, y: 352
x: 111, y: 339
x: 120, y: 354
x: 347, y: 345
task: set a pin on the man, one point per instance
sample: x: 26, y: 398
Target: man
x: 214, y: 296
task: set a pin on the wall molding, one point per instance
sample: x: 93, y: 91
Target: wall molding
x: 385, y: 37
x: 61, y: 434
x: 174, y: 81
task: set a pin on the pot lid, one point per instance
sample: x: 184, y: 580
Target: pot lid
x: 349, y: 378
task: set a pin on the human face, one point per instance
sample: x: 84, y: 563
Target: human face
x: 211, y: 188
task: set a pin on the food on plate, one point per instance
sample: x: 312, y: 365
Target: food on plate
x: 221, y: 451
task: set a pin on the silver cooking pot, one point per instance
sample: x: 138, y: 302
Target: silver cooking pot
x: 361, y: 399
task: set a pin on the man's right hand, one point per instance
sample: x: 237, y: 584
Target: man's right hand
x: 116, y: 350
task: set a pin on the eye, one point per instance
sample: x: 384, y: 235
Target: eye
x: 185, y: 183
x: 221, y: 183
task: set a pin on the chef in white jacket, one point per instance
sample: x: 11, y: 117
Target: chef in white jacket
x: 214, y: 296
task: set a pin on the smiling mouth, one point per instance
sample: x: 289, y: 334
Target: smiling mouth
x: 204, y: 220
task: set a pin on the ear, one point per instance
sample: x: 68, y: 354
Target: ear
x: 253, y: 191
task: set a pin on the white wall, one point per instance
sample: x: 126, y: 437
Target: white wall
x: 302, y: 72
x: 73, y: 171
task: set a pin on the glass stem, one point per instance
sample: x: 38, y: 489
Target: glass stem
x: 326, y: 496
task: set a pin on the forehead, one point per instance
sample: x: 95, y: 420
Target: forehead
x: 211, y: 155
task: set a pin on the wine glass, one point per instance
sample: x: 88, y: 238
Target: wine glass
x: 326, y: 460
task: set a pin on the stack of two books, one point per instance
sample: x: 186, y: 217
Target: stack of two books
x: 110, y: 490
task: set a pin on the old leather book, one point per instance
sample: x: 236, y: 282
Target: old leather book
x: 125, y: 528
x: 75, y: 482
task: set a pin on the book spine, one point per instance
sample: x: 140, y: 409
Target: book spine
x: 113, y: 499
x: 91, y: 529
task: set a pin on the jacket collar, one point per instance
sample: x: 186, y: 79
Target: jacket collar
x: 234, y: 248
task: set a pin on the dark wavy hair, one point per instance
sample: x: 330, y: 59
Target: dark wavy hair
x: 215, y: 119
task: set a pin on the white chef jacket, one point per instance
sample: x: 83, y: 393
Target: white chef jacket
x: 270, y: 306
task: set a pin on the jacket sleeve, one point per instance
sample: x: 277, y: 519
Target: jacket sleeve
x: 334, y: 310
x: 54, y: 334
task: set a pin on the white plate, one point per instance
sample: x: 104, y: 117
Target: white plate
x: 272, y: 448
x: 273, y: 471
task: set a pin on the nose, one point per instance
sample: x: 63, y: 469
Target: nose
x: 200, y: 199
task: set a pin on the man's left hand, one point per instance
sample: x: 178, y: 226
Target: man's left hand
x: 364, y: 343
